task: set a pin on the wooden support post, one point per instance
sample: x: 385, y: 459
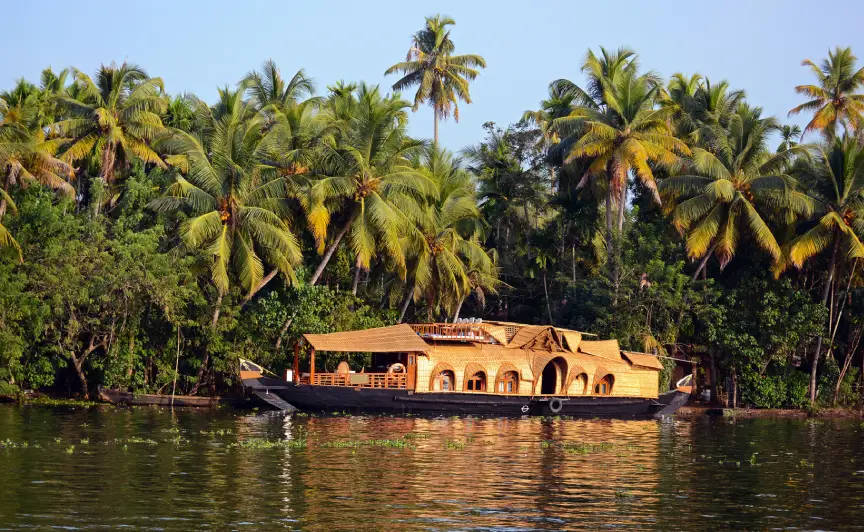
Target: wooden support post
x: 312, y: 366
x: 296, y: 376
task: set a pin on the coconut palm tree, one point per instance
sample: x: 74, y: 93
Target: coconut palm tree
x: 440, y: 77
x: 731, y: 187
x: 27, y: 157
x: 234, y: 192
x: 443, y: 240
x: 833, y: 100
x: 790, y: 135
x: 370, y: 186
x: 113, y: 119
x: 268, y: 87
x: 834, y: 179
x: 628, y: 135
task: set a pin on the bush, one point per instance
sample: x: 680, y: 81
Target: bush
x: 764, y: 391
x: 798, y: 389
x: 786, y: 389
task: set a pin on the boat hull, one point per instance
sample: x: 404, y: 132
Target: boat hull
x: 347, y: 399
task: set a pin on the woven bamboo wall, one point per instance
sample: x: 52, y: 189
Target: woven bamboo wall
x: 630, y: 381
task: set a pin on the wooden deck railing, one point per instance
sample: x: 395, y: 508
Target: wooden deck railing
x: 359, y: 380
x: 469, y: 332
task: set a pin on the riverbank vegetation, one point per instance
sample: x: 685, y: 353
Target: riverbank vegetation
x: 148, y: 237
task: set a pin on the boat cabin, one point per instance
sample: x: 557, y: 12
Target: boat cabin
x: 485, y: 358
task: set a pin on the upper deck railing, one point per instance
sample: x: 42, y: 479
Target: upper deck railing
x: 466, y: 332
x: 358, y: 380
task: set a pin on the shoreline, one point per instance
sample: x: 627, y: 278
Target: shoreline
x: 697, y: 410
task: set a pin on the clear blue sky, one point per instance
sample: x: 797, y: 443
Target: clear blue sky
x: 197, y: 46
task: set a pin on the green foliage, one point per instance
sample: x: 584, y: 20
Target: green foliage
x: 614, y: 209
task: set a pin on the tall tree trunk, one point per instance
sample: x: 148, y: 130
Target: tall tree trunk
x: 548, y: 305
x: 825, y: 292
x: 435, y: 112
x: 573, y: 263
x: 527, y: 230
x: 610, y: 251
x: 202, y: 370
x: 622, y: 207
x: 712, y: 379
x: 458, y: 309
x: 853, y: 341
x: 329, y: 253
x: 3, y: 205
x: 282, y: 332
x: 358, y: 269
x: 403, y: 308
x: 704, y: 261
x: 269, y: 277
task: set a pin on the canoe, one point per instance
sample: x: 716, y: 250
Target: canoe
x: 149, y: 399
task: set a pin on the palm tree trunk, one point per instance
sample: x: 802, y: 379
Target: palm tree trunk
x: 825, y: 292
x: 609, y: 225
x: 329, y: 253
x: 548, y: 305
x: 199, y: 377
x: 704, y: 262
x: 435, y: 112
x: 622, y: 205
x: 269, y: 277
x: 458, y: 309
x: 358, y: 269
x: 403, y: 308
x: 527, y: 230
x: 282, y: 332
x: 3, y: 205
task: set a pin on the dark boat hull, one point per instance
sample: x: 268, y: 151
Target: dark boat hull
x: 342, y: 399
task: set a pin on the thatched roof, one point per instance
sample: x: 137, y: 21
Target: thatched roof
x: 608, y: 349
x: 525, y: 335
x: 643, y: 359
x: 395, y: 339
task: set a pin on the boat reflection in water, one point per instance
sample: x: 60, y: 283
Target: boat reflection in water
x: 525, y: 474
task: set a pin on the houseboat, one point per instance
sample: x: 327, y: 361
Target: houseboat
x: 488, y: 368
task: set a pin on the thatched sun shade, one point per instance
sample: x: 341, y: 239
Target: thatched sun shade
x: 395, y: 339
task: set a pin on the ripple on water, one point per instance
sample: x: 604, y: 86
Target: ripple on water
x: 150, y: 469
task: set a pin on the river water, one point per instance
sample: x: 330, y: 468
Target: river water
x: 151, y: 469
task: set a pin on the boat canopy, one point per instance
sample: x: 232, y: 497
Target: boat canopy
x: 394, y: 339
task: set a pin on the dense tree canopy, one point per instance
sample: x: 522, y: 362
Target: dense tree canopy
x: 147, y: 236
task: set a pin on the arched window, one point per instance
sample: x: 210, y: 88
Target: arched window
x: 476, y: 382
x: 579, y: 384
x: 444, y: 381
x: 508, y: 382
x: 604, y: 385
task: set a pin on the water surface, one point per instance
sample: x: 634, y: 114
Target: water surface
x: 151, y: 469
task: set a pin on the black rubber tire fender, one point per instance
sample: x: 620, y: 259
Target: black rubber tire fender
x: 555, y: 405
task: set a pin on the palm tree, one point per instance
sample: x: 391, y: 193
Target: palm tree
x: 680, y: 95
x: 113, y: 119
x: 627, y: 135
x: 835, y: 182
x: 440, y: 77
x: 235, y: 194
x: 791, y: 135
x: 443, y: 240
x: 833, y: 100
x: 27, y: 157
x: 728, y: 185
x: 371, y: 182
x: 268, y: 87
